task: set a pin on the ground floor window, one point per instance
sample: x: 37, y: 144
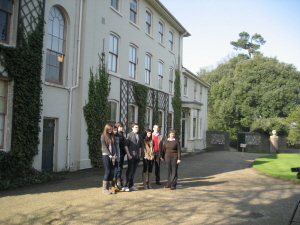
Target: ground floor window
x: 3, y: 103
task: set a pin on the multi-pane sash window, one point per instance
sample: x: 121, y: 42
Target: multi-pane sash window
x: 171, y: 80
x: 115, y: 4
x: 171, y: 41
x: 160, y: 75
x: 5, y: 17
x: 169, y: 122
x: 55, y: 46
x: 133, y: 10
x: 3, y: 102
x: 147, y: 69
x: 185, y: 86
x: 113, y: 53
x: 195, y: 90
x: 113, y: 113
x: 148, y: 22
x: 160, y: 32
x: 131, y: 117
x: 160, y: 120
x: 132, y: 61
x: 147, y: 124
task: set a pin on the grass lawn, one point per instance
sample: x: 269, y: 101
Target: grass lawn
x: 279, y: 165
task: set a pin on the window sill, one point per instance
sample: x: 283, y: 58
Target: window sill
x: 114, y: 74
x: 149, y: 36
x: 171, y: 52
x: 162, y: 45
x: 116, y: 11
x: 135, y: 25
x: 55, y: 85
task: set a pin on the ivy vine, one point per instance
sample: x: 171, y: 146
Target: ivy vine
x: 96, y: 111
x: 24, y: 64
x: 176, y: 104
x: 155, y: 109
x: 140, y: 95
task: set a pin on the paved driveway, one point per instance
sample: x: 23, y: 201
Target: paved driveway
x: 214, y: 188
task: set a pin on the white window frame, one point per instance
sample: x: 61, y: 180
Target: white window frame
x: 115, y: 4
x: 185, y: 85
x: 148, y: 22
x: 171, y: 41
x: 161, y: 32
x: 113, y: 57
x: 55, y: 54
x: 195, y: 90
x: 160, y: 75
x: 113, y: 122
x: 133, y: 12
x: 148, y: 59
x: 148, y: 124
x: 132, y: 61
x: 171, y: 79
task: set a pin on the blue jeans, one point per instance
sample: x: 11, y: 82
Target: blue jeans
x: 120, y: 168
x: 108, y: 167
x: 132, y: 165
x: 116, y: 170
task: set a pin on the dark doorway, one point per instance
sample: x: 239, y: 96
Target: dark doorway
x: 48, y: 145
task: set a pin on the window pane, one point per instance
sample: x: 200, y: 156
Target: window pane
x: 2, y: 88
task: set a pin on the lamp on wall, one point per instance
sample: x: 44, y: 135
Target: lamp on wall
x: 60, y: 58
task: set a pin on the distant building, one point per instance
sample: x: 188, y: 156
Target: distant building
x: 143, y: 43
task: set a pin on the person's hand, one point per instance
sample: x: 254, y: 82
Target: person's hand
x: 110, y: 156
x: 129, y: 156
x: 178, y: 161
x: 161, y: 159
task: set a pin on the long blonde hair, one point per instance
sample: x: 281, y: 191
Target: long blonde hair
x: 108, y: 137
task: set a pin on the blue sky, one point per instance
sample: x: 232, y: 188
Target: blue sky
x: 214, y: 23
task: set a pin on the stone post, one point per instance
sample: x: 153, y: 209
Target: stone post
x: 274, y: 142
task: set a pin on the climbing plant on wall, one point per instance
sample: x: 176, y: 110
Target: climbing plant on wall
x: 96, y: 111
x: 140, y: 95
x: 155, y: 108
x: 24, y: 64
x: 176, y: 104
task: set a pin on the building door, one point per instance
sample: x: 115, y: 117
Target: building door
x: 48, y: 145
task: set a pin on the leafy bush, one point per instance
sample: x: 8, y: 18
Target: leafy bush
x: 266, y: 125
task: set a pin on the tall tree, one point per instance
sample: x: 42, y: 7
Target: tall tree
x: 294, y: 120
x: 247, y: 43
x: 245, y: 90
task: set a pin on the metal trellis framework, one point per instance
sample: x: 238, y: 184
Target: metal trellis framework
x: 127, y: 97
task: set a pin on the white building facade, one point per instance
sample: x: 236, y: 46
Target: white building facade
x: 142, y: 41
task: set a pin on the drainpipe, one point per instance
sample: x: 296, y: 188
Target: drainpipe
x: 73, y: 87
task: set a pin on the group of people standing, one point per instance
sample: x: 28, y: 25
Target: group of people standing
x: 151, y: 147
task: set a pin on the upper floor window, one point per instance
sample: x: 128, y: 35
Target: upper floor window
x: 200, y: 93
x: 115, y: 4
x: 171, y: 71
x: 113, y: 53
x: 160, y: 33
x: 132, y: 61
x: 185, y: 86
x: 3, y: 102
x: 112, y: 113
x: 171, y: 41
x: 148, y: 22
x: 55, y: 46
x: 160, y: 75
x: 5, y: 17
x: 170, y: 121
x: 133, y: 10
x: 147, y: 69
x: 195, y: 90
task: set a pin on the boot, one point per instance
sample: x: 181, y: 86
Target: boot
x: 149, y: 180
x: 105, y: 189
x: 119, y: 184
x: 114, y: 184
x: 111, y: 188
x: 144, y: 180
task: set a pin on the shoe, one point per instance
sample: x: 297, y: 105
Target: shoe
x: 125, y: 189
x: 173, y: 188
x: 133, y: 188
x: 158, y: 182
x: 167, y: 186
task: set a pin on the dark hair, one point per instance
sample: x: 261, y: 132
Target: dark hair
x: 171, y: 131
x: 116, y: 128
x: 108, y: 136
x: 146, y: 138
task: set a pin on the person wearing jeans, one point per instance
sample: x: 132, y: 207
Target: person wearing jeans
x: 133, y: 148
x: 122, y: 140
